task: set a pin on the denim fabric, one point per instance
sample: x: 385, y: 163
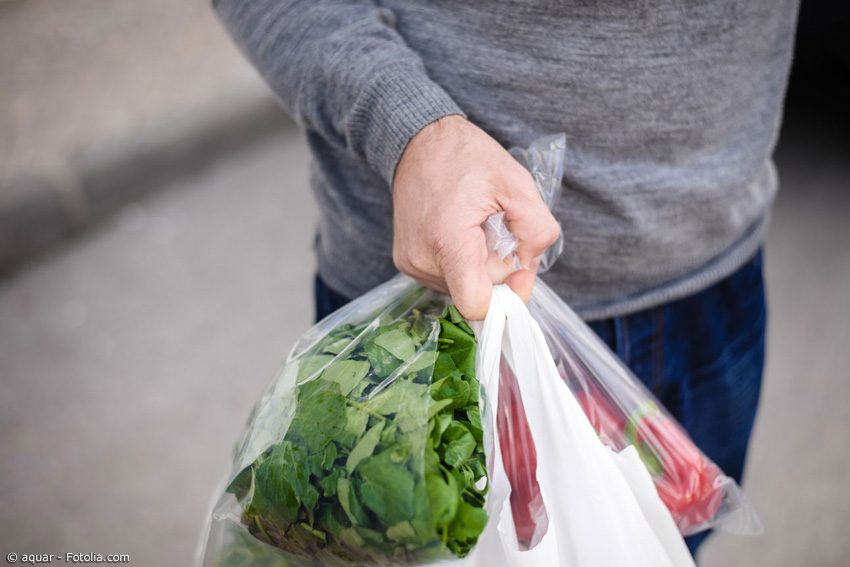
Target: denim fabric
x: 702, y: 356
x: 327, y: 299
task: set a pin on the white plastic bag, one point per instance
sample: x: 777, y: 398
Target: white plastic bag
x: 602, y: 506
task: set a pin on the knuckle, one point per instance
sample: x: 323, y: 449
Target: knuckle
x: 403, y: 262
x: 546, y: 232
x: 521, y: 185
x: 419, y: 261
x: 435, y: 234
x: 399, y: 258
x: 420, y: 258
x: 443, y: 248
x: 551, y: 232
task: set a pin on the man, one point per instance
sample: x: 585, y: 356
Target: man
x: 671, y: 110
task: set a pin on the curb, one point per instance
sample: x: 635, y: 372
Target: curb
x: 57, y: 206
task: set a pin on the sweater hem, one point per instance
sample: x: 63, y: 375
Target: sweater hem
x: 694, y: 282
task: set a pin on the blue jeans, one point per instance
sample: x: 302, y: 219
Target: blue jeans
x: 702, y: 356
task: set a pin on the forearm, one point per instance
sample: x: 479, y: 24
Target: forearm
x: 341, y: 69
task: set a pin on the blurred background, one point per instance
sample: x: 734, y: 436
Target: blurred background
x: 156, y: 265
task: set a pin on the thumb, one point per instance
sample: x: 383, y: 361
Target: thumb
x: 465, y: 271
x: 522, y: 281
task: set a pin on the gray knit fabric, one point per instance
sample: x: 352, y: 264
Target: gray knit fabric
x: 671, y: 110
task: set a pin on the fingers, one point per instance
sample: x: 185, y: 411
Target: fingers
x: 446, y: 183
x: 529, y: 220
x: 499, y: 269
x: 464, y: 268
x: 522, y: 282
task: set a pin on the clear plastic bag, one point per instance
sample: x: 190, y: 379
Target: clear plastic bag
x: 367, y: 448
x: 622, y: 411
x: 544, y: 159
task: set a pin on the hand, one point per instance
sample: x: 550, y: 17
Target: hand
x: 450, y: 178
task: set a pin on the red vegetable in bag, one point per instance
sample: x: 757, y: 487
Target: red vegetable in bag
x: 605, y: 419
x: 688, y: 483
x: 520, y: 462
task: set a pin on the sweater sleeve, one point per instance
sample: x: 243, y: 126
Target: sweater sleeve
x: 342, y: 70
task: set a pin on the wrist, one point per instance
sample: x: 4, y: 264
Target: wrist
x: 433, y: 139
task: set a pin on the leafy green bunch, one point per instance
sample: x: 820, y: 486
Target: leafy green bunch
x: 383, y: 461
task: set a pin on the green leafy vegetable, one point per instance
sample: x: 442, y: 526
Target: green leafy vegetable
x: 382, y: 459
x: 365, y: 447
x: 386, y: 488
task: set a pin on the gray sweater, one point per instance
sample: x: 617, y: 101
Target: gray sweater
x: 671, y: 110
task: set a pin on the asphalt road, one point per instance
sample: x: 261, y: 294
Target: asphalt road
x: 131, y: 357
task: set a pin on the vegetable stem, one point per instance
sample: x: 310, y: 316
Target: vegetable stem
x: 363, y: 407
x: 260, y: 527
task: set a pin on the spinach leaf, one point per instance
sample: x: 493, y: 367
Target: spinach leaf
x: 387, y: 488
x: 377, y: 466
x: 364, y: 448
x: 320, y: 417
x: 274, y: 494
x: 458, y: 445
x: 398, y: 343
x: 346, y: 373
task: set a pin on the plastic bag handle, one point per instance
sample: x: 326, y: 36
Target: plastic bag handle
x: 544, y: 159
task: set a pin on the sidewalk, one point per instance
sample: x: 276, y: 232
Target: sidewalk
x: 103, y: 101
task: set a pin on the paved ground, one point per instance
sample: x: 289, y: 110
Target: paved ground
x: 100, y: 101
x: 82, y: 75
x: 130, y: 358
